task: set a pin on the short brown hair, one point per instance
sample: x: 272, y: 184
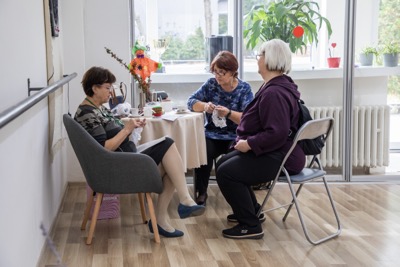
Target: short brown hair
x: 227, y: 61
x: 96, y: 76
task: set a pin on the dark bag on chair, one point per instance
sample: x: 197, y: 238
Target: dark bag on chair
x: 310, y: 146
x: 115, y: 100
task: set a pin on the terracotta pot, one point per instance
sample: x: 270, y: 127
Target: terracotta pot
x: 333, y: 62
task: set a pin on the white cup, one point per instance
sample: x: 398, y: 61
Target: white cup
x: 134, y: 111
x: 147, y: 111
x: 181, y: 108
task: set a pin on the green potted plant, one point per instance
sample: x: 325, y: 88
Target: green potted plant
x: 366, y: 55
x: 390, y: 52
x: 278, y: 19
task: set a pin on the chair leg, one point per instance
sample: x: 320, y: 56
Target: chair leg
x: 142, y: 208
x: 303, y: 224
x: 261, y: 210
x: 153, y: 217
x: 291, y: 204
x: 94, y: 218
x: 87, y: 210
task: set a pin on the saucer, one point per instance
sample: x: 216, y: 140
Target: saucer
x: 182, y: 111
x: 135, y: 116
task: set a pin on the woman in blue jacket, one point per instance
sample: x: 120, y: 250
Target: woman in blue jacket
x: 223, y: 99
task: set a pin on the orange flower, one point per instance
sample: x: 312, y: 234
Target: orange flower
x: 140, y: 67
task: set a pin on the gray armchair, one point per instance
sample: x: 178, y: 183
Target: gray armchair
x: 108, y: 172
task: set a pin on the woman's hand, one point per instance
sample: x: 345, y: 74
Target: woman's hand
x: 242, y: 146
x: 222, y: 111
x: 209, y: 107
x: 141, y: 122
x: 131, y: 124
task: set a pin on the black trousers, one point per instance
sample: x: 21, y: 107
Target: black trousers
x: 215, y: 148
x: 237, y: 172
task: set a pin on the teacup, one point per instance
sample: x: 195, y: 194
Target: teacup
x: 157, y: 111
x: 147, y: 111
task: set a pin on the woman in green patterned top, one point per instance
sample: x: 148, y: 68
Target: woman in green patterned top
x: 114, y: 134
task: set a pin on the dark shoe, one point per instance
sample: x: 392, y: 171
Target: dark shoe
x: 232, y: 218
x: 201, y: 199
x: 164, y: 233
x: 241, y: 231
x: 190, y: 211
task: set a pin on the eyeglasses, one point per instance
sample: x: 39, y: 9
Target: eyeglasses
x: 219, y: 73
x: 258, y: 56
x: 106, y: 86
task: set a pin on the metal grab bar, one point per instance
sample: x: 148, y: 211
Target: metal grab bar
x: 14, y: 111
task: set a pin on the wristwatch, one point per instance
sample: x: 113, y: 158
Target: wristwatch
x: 229, y: 113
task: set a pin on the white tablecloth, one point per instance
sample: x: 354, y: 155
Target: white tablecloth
x: 186, y: 129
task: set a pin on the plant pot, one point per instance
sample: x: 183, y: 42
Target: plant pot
x: 390, y: 60
x: 366, y: 59
x: 333, y: 62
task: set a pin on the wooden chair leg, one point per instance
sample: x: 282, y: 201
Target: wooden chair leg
x: 89, y: 204
x: 153, y: 217
x: 94, y: 218
x: 142, y: 208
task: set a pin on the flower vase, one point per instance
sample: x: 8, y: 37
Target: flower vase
x: 142, y: 99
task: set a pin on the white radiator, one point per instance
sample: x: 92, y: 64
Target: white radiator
x: 370, y: 136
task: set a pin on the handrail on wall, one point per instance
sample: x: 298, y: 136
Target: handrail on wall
x: 14, y: 111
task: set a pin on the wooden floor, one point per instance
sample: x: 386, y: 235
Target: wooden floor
x: 370, y: 216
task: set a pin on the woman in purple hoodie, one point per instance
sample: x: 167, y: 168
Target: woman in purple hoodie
x: 262, y: 141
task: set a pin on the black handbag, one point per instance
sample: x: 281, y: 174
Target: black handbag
x: 118, y: 99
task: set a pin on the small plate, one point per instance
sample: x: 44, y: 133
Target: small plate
x: 135, y: 116
x: 182, y: 111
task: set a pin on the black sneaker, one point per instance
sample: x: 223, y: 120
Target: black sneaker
x: 232, y: 218
x: 241, y: 231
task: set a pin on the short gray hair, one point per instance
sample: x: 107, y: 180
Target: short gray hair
x: 278, y: 56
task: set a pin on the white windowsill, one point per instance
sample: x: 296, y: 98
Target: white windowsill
x: 297, y: 74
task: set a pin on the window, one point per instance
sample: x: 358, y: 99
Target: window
x: 183, y: 29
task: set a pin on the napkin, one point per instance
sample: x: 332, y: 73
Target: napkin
x: 217, y: 120
x: 136, y: 135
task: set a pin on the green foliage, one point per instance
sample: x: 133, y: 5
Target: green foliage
x: 223, y: 24
x: 390, y: 48
x: 248, y: 4
x: 192, y: 48
x: 389, y: 29
x: 277, y: 19
x: 174, y: 48
x: 393, y: 85
x: 369, y: 50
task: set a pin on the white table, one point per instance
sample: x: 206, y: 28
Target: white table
x: 186, y: 129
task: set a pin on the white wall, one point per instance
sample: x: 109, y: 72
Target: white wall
x: 31, y: 183
x: 87, y: 27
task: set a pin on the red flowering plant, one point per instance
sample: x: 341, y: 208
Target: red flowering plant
x: 140, y: 67
x: 331, y: 53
